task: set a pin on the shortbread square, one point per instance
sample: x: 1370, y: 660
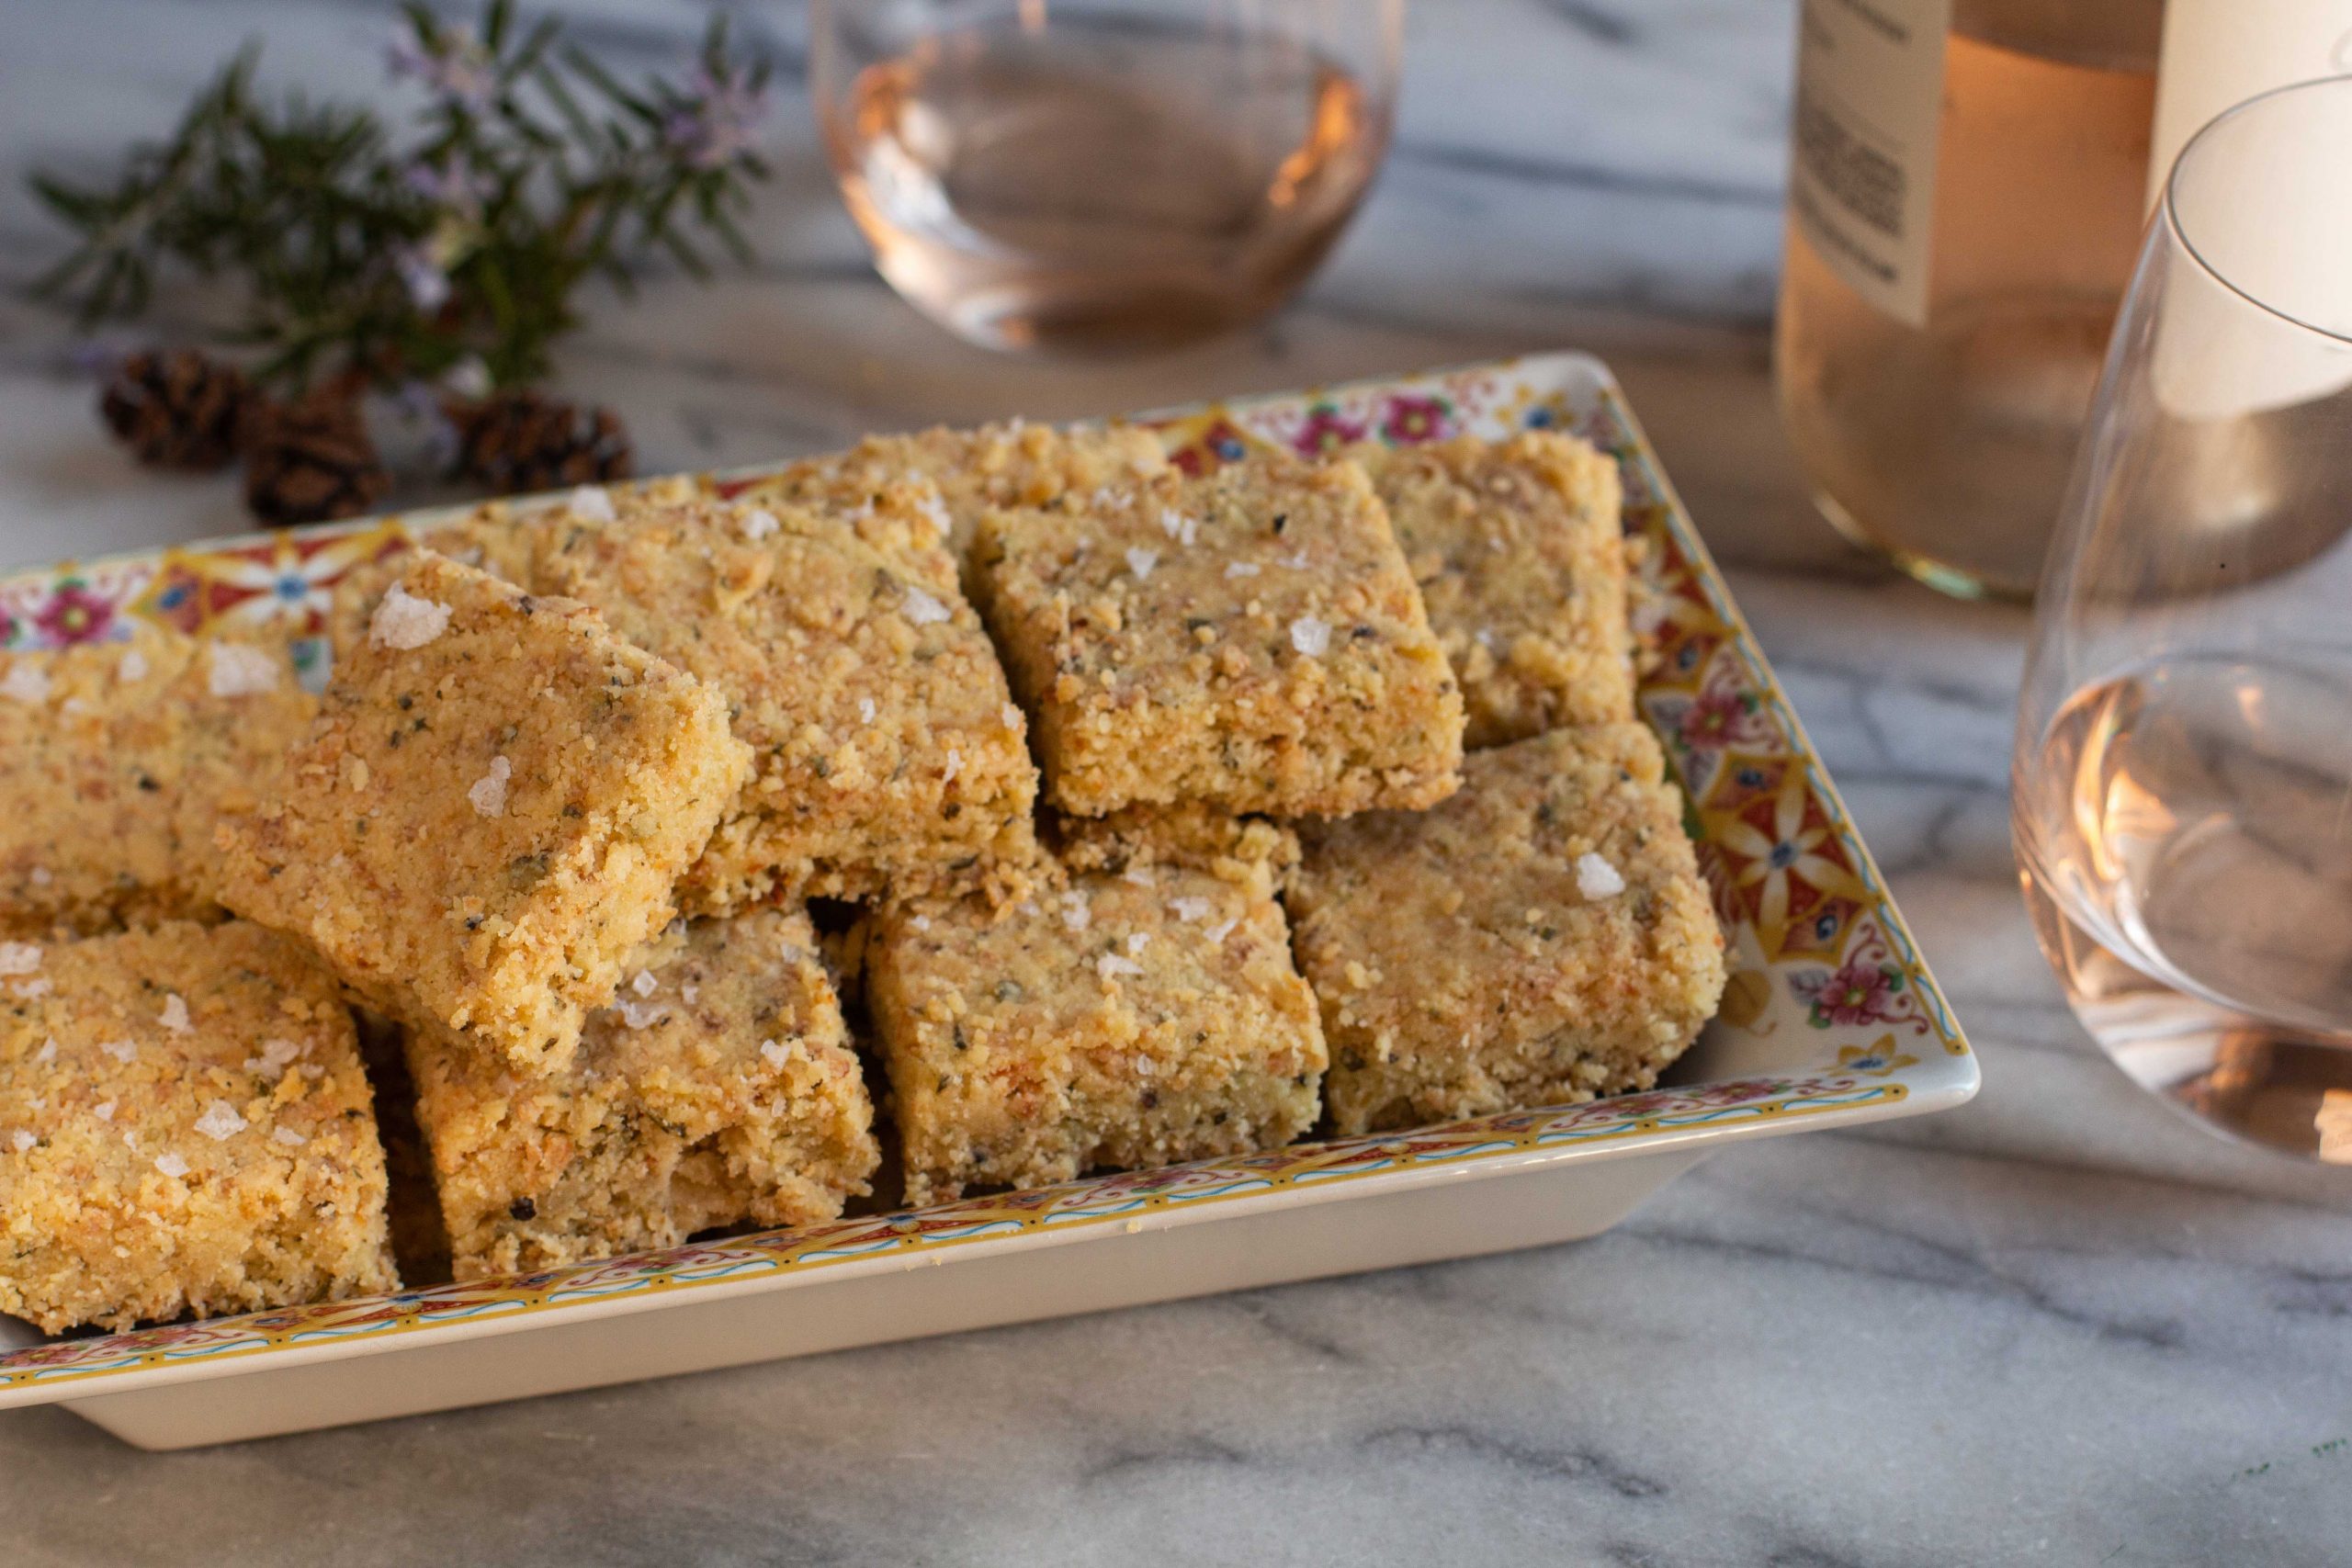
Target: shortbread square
x: 184, y: 1128
x: 1519, y: 551
x: 1126, y: 1021
x: 1542, y: 938
x: 490, y: 814
x: 1249, y: 640
x: 117, y: 759
x: 889, y: 755
x: 720, y: 1089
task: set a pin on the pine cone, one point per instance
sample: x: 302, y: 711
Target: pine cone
x: 521, y: 441
x: 312, y: 460
x: 179, y: 410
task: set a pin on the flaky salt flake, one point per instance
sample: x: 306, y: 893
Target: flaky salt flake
x: 933, y: 511
x: 1222, y: 929
x: 691, y: 994
x: 865, y: 710
x: 1485, y: 638
x: 1176, y: 526
x: 1077, y: 914
x: 175, y: 1014
x: 489, y: 792
x: 1011, y: 715
x: 47, y: 1053
x: 1138, y: 940
x: 922, y: 609
x: 1189, y: 910
x: 758, y: 523
x: 132, y: 668
x: 103, y: 1111
x: 220, y: 1122
x: 955, y: 766
x: 18, y: 957
x: 402, y: 621
x: 593, y: 502
x: 1240, y: 569
x: 170, y: 1164
x: 643, y: 983
x: 1139, y: 877
x: 286, y: 1137
x: 41, y: 876
x: 1111, y: 966
x: 121, y: 1050
x: 642, y: 1015
x: 1596, y: 878
x: 1140, y: 561
x: 1296, y: 560
x: 32, y: 990
x: 240, y: 670
x: 921, y: 922
x: 776, y: 1055
x: 21, y: 1140
x: 1311, y: 636
x: 275, y: 1056
x: 26, y: 682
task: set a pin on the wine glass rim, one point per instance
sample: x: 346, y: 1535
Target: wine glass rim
x: 2341, y: 82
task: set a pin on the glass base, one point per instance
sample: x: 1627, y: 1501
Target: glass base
x: 2245, y: 1078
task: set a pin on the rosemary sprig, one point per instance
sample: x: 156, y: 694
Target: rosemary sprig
x: 460, y: 242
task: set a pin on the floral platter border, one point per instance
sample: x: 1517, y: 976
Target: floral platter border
x: 1830, y: 1013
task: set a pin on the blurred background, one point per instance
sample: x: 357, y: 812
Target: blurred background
x: 1597, y: 174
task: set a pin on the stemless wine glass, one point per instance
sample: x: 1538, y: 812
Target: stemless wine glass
x: 1103, y: 174
x: 2183, y: 778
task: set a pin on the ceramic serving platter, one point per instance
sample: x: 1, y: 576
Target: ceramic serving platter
x: 1830, y: 1019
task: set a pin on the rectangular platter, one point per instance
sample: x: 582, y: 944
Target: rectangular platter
x: 1830, y: 1019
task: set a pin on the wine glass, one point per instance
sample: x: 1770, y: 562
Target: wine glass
x: 2183, y: 776
x: 1103, y: 174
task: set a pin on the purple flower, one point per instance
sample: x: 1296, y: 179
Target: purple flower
x: 455, y: 65
x: 449, y: 187
x: 427, y: 284
x: 714, y: 125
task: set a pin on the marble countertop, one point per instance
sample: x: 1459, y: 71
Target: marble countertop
x: 2059, y: 1324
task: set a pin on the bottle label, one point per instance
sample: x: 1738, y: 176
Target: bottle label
x: 1863, y: 181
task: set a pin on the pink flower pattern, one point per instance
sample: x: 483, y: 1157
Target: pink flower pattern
x: 1325, y: 431
x: 1860, y: 992
x: 1410, y: 421
x: 74, y: 615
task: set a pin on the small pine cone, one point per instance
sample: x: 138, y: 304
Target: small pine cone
x: 312, y: 460
x: 519, y: 442
x: 179, y: 410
